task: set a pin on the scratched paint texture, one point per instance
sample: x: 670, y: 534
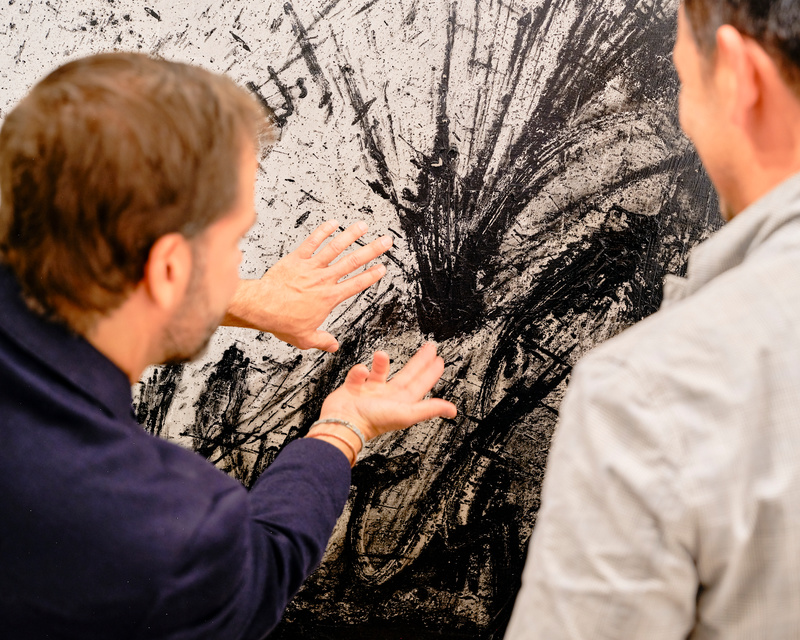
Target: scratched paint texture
x: 527, y: 158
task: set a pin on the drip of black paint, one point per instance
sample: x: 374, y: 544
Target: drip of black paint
x: 215, y: 432
x: 155, y: 397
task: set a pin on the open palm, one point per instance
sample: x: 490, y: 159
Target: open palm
x: 376, y: 405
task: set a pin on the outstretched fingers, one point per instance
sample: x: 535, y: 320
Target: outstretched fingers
x: 337, y: 245
x: 367, y: 400
x: 356, y: 284
x: 419, y: 362
x: 317, y: 237
x: 427, y: 379
x: 380, y: 367
x: 432, y: 408
x: 357, y: 375
x: 361, y: 256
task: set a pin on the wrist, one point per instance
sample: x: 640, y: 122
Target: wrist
x: 256, y: 304
x: 360, y: 427
x: 239, y: 310
x: 340, y: 436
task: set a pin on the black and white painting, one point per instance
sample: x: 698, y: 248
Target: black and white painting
x: 527, y: 158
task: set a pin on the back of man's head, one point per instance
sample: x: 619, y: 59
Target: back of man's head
x: 104, y: 156
x: 774, y: 24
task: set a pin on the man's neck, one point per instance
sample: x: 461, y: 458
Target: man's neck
x: 125, y: 336
x: 770, y: 150
x: 756, y: 188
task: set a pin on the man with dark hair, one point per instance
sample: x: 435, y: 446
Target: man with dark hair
x: 671, y: 504
x: 126, y: 185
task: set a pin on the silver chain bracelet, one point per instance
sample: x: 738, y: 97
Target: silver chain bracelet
x: 344, y: 423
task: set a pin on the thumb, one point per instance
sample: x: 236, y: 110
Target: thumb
x: 324, y: 341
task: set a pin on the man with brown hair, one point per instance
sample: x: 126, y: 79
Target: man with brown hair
x: 126, y: 186
x: 671, y: 505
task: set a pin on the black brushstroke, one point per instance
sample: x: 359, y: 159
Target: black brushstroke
x: 309, y: 196
x: 309, y: 55
x: 152, y: 14
x: 155, y: 397
x: 366, y: 7
x: 240, y: 41
x: 372, y: 143
x: 215, y: 432
x: 280, y: 113
x: 412, y: 14
x: 363, y: 111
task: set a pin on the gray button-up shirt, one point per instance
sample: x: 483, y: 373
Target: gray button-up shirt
x: 671, y: 505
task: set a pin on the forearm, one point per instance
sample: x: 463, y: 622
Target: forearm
x: 294, y: 507
x: 244, y: 304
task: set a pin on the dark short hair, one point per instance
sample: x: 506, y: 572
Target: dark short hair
x: 104, y: 156
x: 774, y: 24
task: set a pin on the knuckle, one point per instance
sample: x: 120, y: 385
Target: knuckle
x: 352, y: 262
x: 314, y: 240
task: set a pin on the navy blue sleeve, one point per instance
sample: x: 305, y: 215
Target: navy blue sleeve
x: 251, y: 552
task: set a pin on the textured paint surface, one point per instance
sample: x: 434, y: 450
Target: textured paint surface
x: 527, y: 158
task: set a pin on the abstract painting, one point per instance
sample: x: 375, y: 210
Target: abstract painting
x: 527, y: 158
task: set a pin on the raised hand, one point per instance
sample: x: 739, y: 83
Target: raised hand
x: 296, y: 295
x: 375, y: 404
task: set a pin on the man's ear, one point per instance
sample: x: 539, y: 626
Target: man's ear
x: 168, y: 271
x: 743, y: 70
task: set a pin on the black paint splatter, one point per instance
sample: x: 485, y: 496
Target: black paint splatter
x: 367, y: 6
x: 240, y: 41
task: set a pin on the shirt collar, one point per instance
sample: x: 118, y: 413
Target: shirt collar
x: 67, y: 354
x: 738, y: 239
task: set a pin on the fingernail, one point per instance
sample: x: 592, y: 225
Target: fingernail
x: 380, y: 269
x: 386, y: 241
x: 333, y: 223
x: 362, y: 226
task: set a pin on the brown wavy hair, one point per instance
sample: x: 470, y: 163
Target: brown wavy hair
x: 104, y: 156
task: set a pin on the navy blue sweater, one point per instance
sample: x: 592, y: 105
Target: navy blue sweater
x: 108, y: 532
